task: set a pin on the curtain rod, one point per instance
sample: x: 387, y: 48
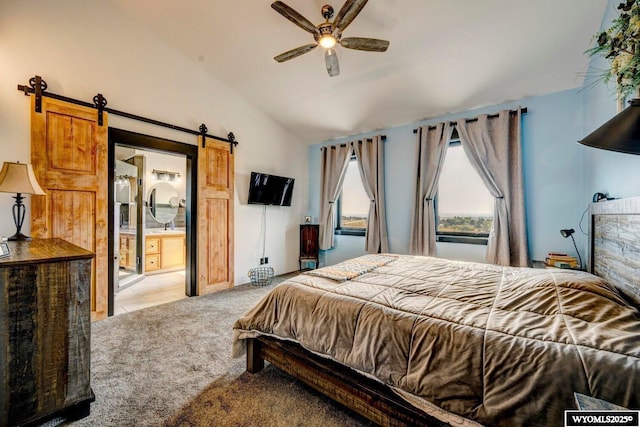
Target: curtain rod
x: 38, y: 87
x: 475, y: 119
x: 383, y: 137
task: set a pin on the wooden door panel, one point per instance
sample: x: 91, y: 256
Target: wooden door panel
x: 69, y: 157
x: 69, y: 144
x: 215, y: 217
x: 218, y: 256
x: 218, y: 168
x: 78, y: 225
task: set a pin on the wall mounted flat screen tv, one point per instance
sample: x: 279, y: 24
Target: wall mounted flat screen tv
x: 265, y: 189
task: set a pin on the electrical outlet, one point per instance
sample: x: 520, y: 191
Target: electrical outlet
x: 264, y: 260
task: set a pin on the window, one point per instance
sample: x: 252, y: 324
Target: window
x: 464, y: 206
x: 353, y: 203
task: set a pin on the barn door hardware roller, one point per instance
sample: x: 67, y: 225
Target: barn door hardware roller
x: 38, y: 87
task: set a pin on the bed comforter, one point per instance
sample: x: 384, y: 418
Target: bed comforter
x: 498, y: 345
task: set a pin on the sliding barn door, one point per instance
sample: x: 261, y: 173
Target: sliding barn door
x: 215, y: 216
x: 69, y: 157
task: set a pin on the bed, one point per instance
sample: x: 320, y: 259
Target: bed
x: 407, y: 340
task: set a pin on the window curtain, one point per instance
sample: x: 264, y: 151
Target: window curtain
x: 370, y: 159
x: 334, y: 167
x: 432, y: 149
x: 493, y: 147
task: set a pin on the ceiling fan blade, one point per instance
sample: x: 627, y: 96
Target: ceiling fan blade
x: 294, y: 17
x: 362, y: 43
x: 331, y: 59
x: 295, y: 52
x: 347, y: 14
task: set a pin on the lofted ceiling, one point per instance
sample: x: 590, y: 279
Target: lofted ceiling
x: 445, y: 56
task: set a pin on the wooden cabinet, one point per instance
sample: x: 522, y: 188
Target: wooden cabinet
x: 309, y: 246
x: 164, y: 252
x: 128, y: 251
x: 123, y: 251
x: 45, y: 352
x: 173, y: 251
x: 152, y: 253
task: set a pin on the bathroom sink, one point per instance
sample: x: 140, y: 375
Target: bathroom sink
x: 163, y: 231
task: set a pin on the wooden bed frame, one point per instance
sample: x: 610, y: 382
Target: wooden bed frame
x: 378, y: 402
x: 367, y: 397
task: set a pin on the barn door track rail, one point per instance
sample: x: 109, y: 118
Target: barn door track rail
x: 38, y: 87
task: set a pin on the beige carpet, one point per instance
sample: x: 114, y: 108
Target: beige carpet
x: 170, y: 365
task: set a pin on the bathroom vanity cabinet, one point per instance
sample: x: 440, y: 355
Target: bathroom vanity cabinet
x: 164, y: 251
x: 128, y: 251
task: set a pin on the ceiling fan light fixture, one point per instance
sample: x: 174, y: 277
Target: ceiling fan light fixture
x: 328, y: 34
x: 327, y: 41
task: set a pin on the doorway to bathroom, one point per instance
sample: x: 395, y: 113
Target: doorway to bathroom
x: 153, y: 208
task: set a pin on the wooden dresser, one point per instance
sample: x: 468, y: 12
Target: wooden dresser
x: 45, y: 313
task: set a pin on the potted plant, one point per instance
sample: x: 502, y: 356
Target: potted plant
x: 620, y: 45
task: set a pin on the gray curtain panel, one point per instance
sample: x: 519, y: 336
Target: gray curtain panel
x: 432, y: 149
x: 333, y: 169
x: 493, y: 147
x: 370, y: 159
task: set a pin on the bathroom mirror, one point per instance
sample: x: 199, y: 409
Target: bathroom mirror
x: 163, y: 202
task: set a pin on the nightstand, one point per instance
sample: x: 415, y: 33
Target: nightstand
x: 309, y: 246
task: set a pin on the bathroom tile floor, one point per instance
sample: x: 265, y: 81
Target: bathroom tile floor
x: 152, y: 290
x: 162, y: 288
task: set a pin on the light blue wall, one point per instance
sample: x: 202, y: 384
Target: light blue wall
x: 560, y: 175
x: 617, y: 174
x: 553, y: 173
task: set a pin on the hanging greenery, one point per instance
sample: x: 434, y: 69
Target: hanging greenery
x: 619, y: 44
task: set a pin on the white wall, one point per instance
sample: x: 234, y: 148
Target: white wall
x: 82, y: 47
x: 165, y: 162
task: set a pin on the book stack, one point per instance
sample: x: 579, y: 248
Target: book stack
x: 561, y: 260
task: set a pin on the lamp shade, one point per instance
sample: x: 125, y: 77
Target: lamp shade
x: 19, y: 178
x: 567, y: 232
x: 621, y: 133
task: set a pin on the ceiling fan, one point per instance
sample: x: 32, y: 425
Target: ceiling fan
x: 328, y: 34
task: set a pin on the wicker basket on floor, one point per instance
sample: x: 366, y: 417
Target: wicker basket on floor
x: 261, y: 276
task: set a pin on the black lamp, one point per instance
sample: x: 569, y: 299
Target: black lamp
x: 621, y: 133
x: 19, y: 178
x: 569, y: 232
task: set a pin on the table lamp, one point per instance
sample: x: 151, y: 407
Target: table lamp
x: 569, y: 233
x: 19, y: 178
